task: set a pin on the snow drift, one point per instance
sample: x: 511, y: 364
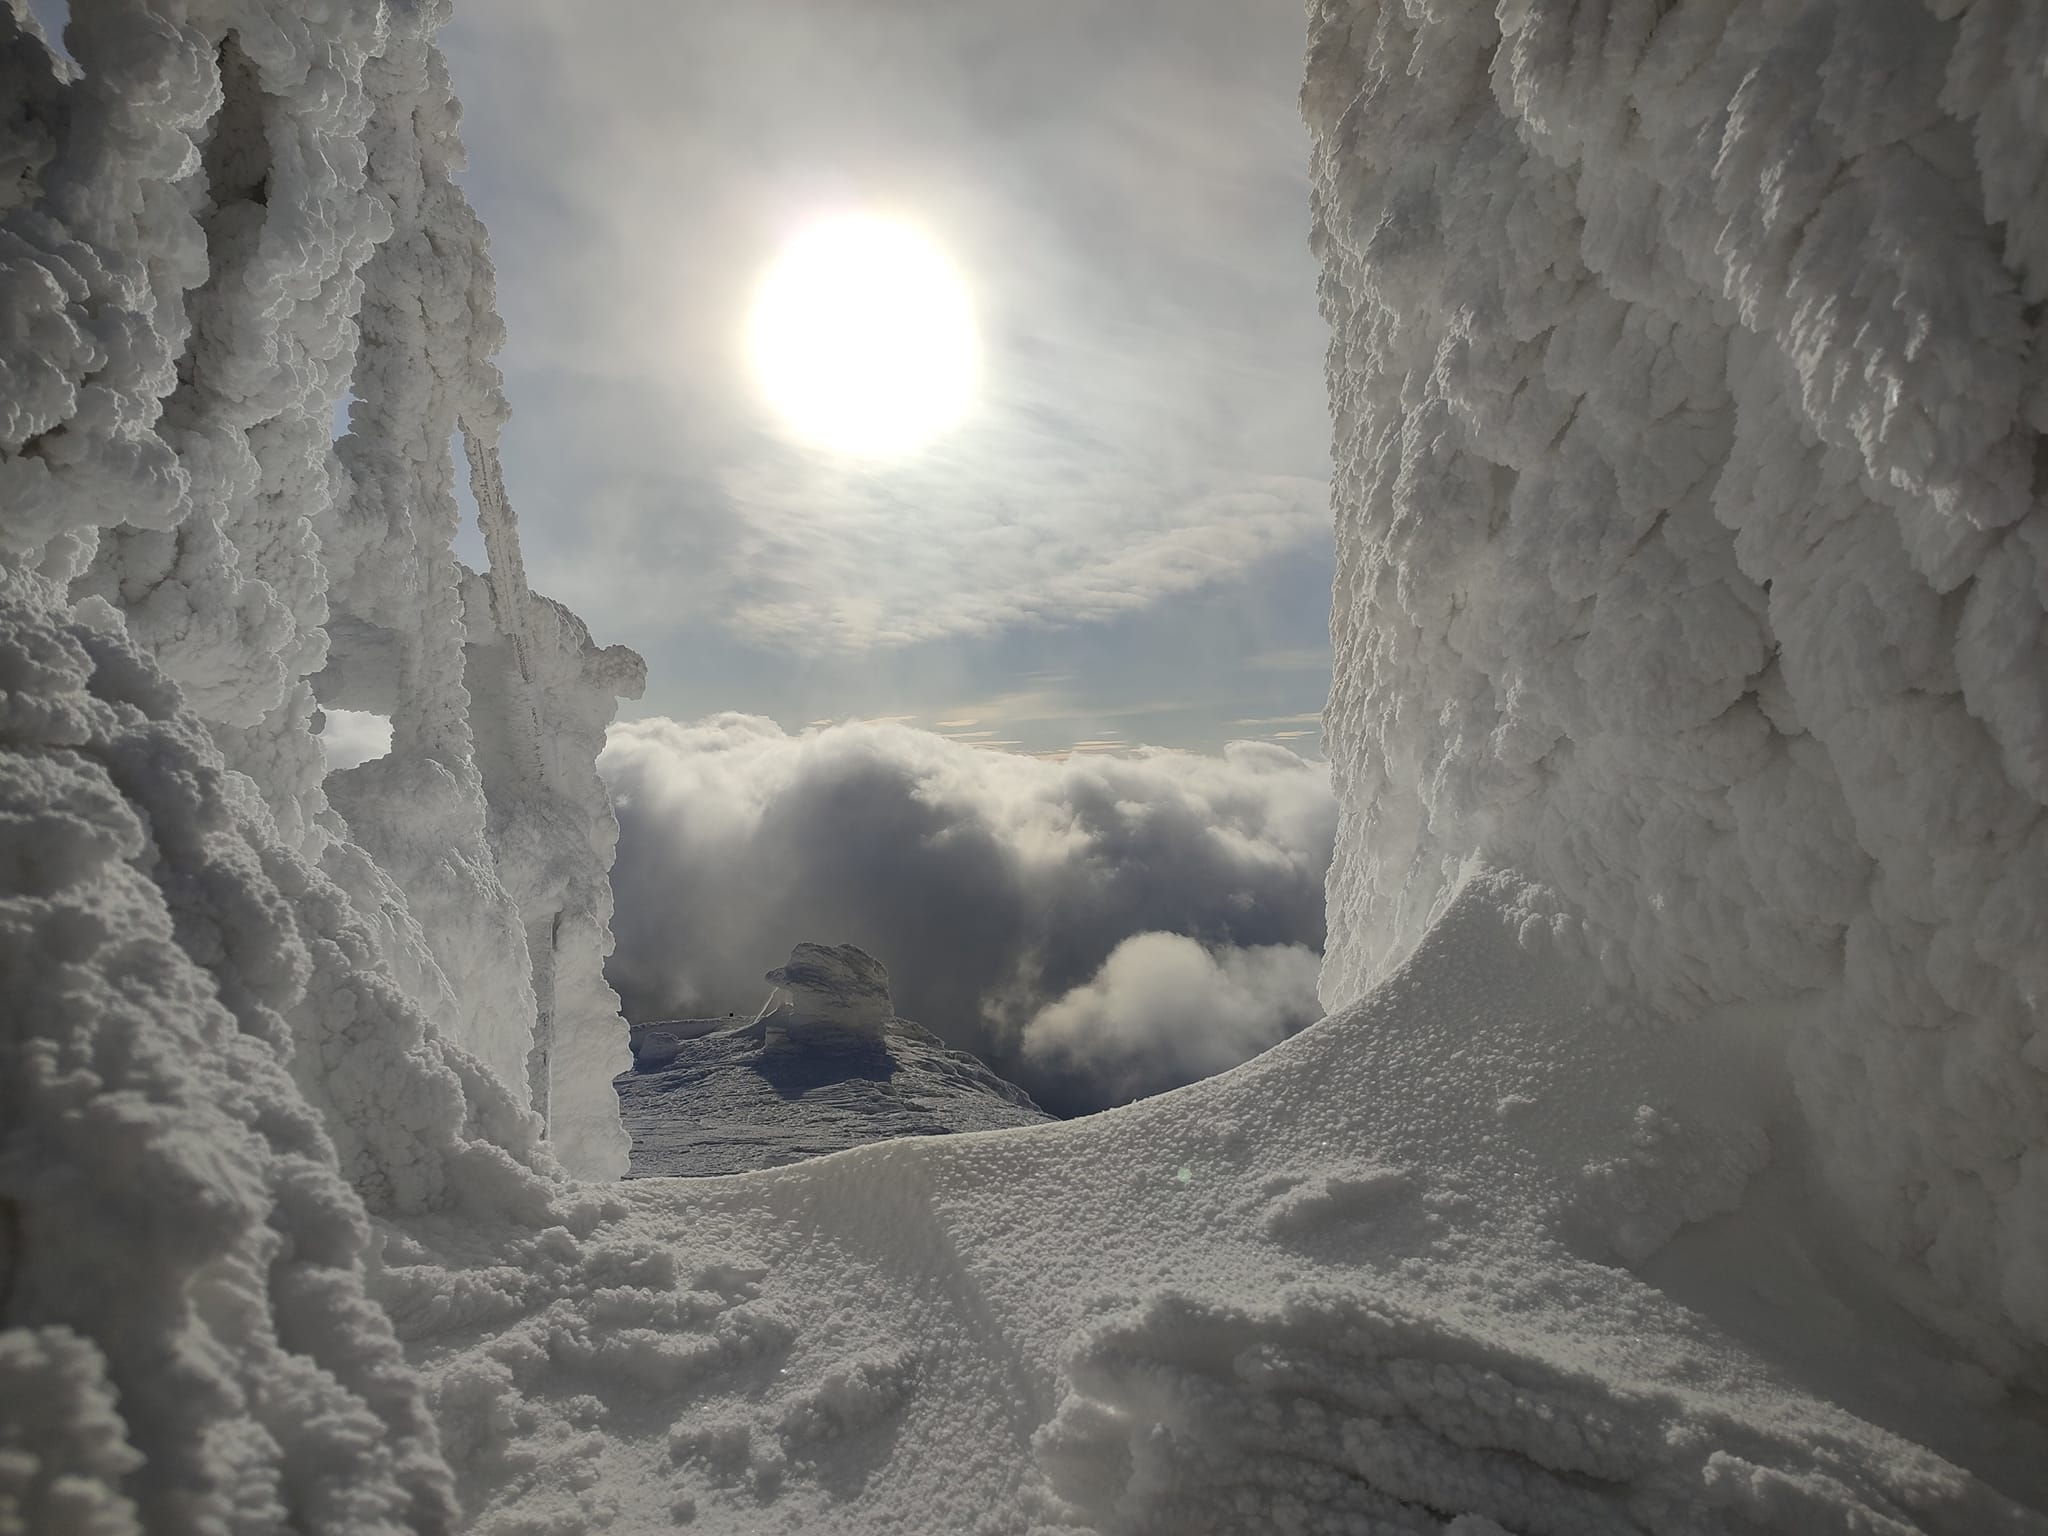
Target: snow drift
x: 1687, y: 392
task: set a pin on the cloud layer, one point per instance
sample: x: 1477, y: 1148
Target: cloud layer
x: 1164, y: 1010
x: 996, y: 888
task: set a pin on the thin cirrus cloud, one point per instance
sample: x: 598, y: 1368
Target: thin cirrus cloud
x: 1124, y: 189
x: 1095, y: 927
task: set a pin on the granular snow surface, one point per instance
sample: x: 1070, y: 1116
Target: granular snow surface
x: 1370, y: 1281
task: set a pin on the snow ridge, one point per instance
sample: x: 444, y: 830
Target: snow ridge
x: 1687, y: 402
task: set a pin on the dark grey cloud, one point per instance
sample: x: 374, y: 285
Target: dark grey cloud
x: 995, y: 887
x: 1124, y: 186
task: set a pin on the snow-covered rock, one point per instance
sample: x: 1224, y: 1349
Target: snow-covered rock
x: 826, y: 1065
x: 834, y: 986
x: 725, y: 1096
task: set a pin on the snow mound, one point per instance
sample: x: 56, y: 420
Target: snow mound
x: 835, y: 987
x: 1688, y: 396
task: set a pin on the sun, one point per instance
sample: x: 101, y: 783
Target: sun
x: 863, y: 339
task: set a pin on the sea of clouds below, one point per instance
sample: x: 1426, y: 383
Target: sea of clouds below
x: 1098, y: 928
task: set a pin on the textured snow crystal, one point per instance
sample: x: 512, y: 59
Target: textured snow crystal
x: 240, y: 1014
x: 1690, y: 553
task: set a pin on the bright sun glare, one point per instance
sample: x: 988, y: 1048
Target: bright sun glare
x: 863, y: 337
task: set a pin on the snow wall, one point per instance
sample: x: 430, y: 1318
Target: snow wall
x: 1688, y: 391
x: 246, y: 1005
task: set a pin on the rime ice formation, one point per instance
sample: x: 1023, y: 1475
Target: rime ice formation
x: 217, y: 231
x: 1686, y: 390
x: 834, y: 986
x: 487, y: 812
x: 1688, y: 384
x: 245, y: 1012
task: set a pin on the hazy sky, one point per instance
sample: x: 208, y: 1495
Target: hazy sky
x: 1128, y: 540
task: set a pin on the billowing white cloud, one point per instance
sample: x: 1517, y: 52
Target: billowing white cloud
x: 1163, y: 1010
x: 991, y: 885
x: 353, y: 736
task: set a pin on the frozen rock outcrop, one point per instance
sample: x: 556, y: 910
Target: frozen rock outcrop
x: 835, y: 986
x: 1688, y: 391
x: 714, y: 1096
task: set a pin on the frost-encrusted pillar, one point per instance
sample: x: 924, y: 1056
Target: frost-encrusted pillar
x: 1687, y: 400
x: 548, y: 693
x: 487, y: 813
x: 276, y: 224
x: 428, y: 328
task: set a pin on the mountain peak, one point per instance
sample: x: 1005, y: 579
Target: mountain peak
x: 837, y: 985
x: 828, y: 1067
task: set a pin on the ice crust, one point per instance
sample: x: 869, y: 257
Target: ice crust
x: 1637, y: 308
x: 1691, y: 556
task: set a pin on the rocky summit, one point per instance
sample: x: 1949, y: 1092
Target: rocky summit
x: 834, y: 986
x: 825, y: 1067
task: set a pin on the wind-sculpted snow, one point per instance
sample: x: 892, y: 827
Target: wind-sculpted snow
x: 1687, y: 405
x: 232, y: 1037
x: 1366, y: 1282
x: 183, y: 1264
